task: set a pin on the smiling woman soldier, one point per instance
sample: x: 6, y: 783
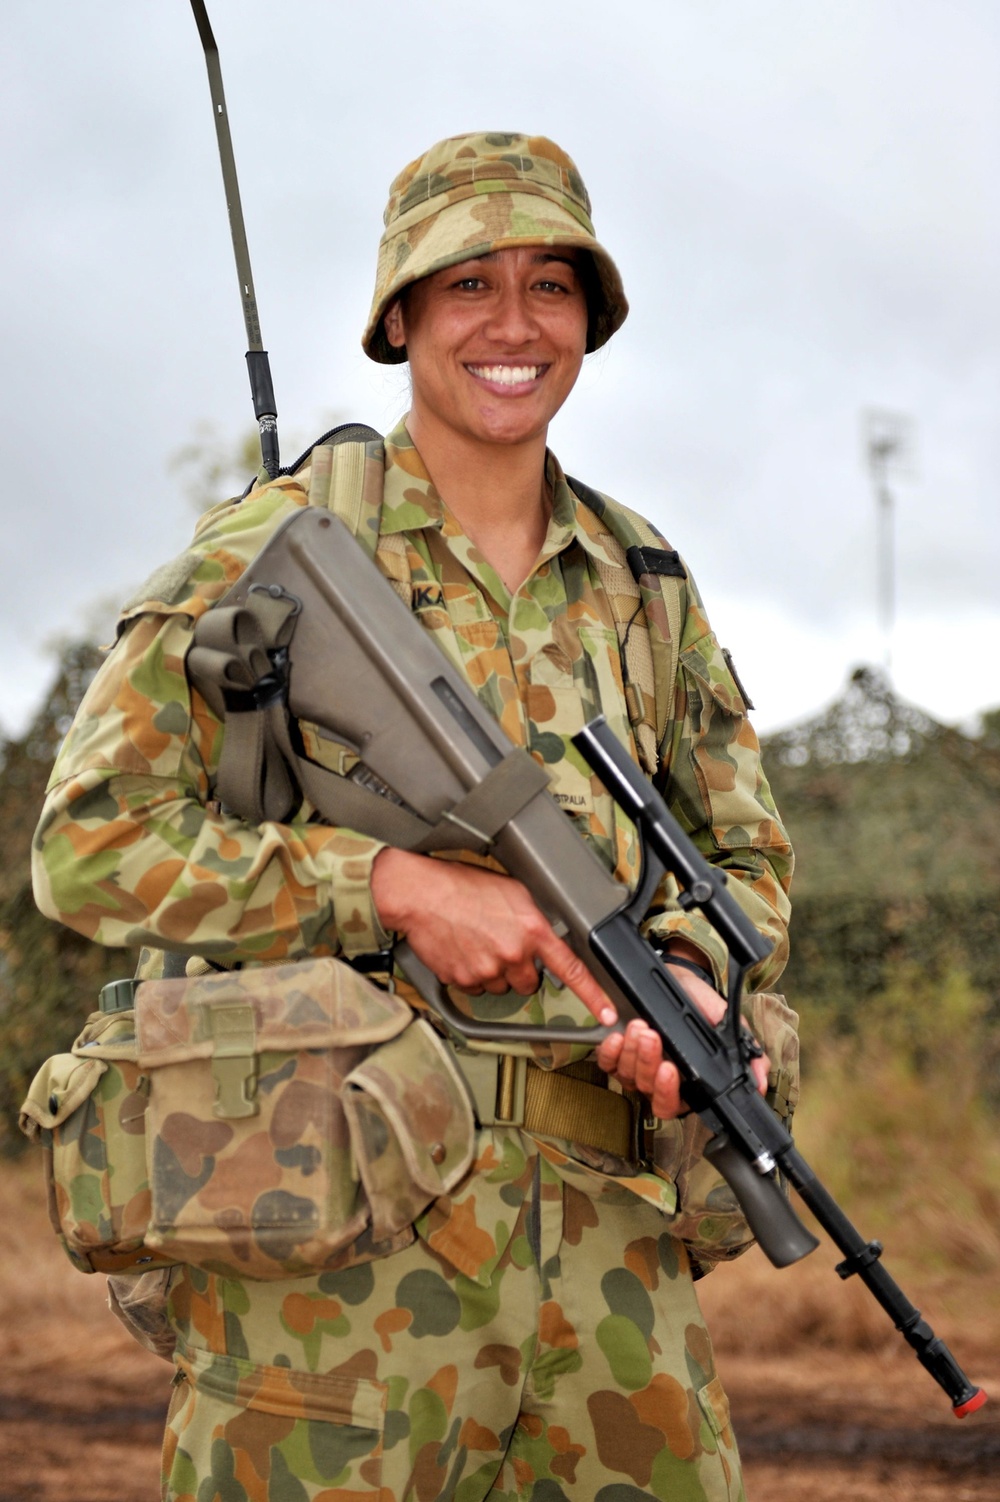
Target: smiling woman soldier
x: 536, y: 1333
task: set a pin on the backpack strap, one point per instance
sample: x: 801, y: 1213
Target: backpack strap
x: 646, y: 588
x: 347, y: 477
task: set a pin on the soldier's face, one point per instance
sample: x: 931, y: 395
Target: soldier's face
x: 495, y: 344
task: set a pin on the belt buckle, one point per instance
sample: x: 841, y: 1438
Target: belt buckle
x: 497, y: 1084
x: 512, y: 1080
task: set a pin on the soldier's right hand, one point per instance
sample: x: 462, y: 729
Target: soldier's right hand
x: 476, y: 929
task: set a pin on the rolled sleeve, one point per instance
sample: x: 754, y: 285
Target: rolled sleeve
x: 130, y: 850
x: 355, y: 917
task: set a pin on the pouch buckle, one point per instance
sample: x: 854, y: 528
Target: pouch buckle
x: 235, y: 1064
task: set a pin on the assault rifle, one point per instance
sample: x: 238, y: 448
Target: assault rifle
x: 322, y: 636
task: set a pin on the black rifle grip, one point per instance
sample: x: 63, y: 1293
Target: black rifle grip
x: 782, y: 1237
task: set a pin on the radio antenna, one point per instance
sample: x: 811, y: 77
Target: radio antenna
x: 257, y: 361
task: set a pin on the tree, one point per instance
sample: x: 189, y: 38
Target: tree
x: 895, y: 820
x: 49, y: 976
x: 215, y: 467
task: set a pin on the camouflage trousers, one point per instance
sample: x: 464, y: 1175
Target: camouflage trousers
x: 573, y: 1367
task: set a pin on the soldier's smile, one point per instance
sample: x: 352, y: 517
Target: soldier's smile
x: 511, y: 380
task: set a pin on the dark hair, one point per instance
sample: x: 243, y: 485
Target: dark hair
x: 591, y: 284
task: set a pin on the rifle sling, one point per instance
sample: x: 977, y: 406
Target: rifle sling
x: 238, y: 661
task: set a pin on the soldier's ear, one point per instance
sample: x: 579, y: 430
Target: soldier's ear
x: 392, y: 322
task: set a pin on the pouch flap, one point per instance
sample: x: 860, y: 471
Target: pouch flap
x: 313, y: 1004
x: 63, y: 1083
x: 425, y: 1101
x: 107, y: 1035
x: 706, y: 660
x: 411, y: 1126
x: 776, y: 1027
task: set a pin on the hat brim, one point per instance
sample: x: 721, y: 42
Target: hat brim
x: 474, y: 227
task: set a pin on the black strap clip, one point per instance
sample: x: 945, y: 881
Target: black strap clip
x: 376, y: 966
x: 860, y: 1260
x: 270, y: 688
x: 662, y: 561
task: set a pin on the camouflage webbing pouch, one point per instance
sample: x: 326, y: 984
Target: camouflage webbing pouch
x: 87, y: 1110
x: 271, y: 1123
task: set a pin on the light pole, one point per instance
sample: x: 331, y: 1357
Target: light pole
x: 888, y: 446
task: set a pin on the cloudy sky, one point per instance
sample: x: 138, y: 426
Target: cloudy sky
x: 802, y: 200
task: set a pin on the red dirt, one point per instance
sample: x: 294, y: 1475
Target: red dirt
x: 828, y: 1404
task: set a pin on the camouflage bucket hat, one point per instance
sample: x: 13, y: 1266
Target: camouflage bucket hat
x: 481, y: 192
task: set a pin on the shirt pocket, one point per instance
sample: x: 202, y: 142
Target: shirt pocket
x: 557, y: 707
x: 472, y: 640
x: 723, y: 747
x: 602, y: 683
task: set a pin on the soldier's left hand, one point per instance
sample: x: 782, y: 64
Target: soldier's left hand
x: 635, y: 1057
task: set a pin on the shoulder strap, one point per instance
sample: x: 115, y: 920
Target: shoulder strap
x: 346, y: 476
x: 645, y: 588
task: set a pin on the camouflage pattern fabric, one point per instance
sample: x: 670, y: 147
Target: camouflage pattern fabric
x: 131, y: 850
x: 292, y: 1111
x: 555, y: 1351
x: 263, y: 1123
x: 474, y: 194
x: 87, y: 1110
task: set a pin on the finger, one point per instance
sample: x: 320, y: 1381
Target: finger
x: 665, y: 1096
x: 628, y: 1061
x: 560, y: 961
x: 523, y: 977
x: 496, y: 985
x: 609, y: 1052
x: 760, y: 1069
x: 649, y: 1057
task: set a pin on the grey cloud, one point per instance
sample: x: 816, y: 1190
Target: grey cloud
x: 802, y: 200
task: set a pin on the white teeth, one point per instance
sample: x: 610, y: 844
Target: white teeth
x: 506, y: 375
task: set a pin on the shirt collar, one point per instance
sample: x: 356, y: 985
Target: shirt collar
x: 410, y: 501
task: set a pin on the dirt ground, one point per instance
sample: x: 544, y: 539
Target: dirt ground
x: 828, y: 1404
